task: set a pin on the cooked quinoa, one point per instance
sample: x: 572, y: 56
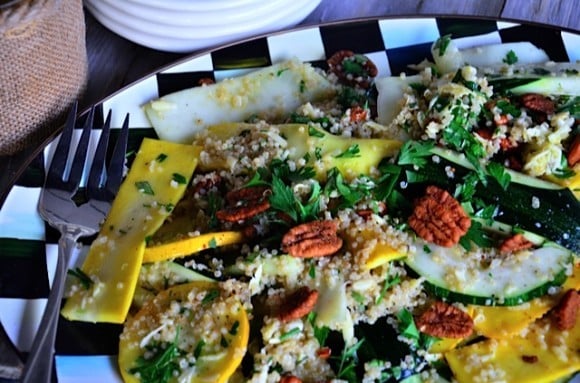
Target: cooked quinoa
x: 366, y: 281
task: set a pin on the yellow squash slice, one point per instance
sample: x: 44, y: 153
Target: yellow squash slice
x: 502, y: 322
x: 543, y: 354
x: 352, y: 156
x: 199, y: 329
x: 187, y: 246
x: 155, y: 183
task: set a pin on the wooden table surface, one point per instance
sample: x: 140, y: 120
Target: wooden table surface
x: 115, y: 62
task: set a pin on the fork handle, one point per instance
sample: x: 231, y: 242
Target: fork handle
x: 38, y: 368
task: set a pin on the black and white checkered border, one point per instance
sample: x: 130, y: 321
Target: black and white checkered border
x: 28, y: 247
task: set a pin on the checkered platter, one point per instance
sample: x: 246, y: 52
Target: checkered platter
x: 28, y: 246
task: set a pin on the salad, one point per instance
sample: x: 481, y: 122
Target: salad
x: 299, y: 224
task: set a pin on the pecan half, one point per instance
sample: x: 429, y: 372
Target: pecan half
x: 290, y: 379
x: 574, y: 151
x: 352, y: 69
x: 514, y: 243
x: 567, y: 310
x: 298, y: 304
x: 439, y: 218
x: 312, y: 239
x: 538, y: 103
x: 244, y: 204
x: 445, y: 321
x: 248, y: 194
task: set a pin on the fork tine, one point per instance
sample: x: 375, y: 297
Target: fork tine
x: 97, y: 172
x: 80, y: 156
x: 117, y: 164
x: 55, y: 174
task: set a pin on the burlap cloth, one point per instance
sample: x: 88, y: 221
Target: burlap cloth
x: 43, y: 68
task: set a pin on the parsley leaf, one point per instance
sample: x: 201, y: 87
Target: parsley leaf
x: 179, y: 178
x: 144, y: 187
x: 507, y: 107
x: 510, y: 58
x: 161, y: 157
x: 414, y: 153
x: 320, y: 333
x: 348, y: 362
x: 442, y: 43
x: 476, y: 235
x: 158, y: 368
x: 313, y: 132
x: 83, y: 278
x: 352, y: 151
x: 389, y: 282
x: 499, y: 173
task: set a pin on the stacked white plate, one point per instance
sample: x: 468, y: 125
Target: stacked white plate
x: 187, y: 25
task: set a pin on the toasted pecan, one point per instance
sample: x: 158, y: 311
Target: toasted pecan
x: 538, y: 103
x: 244, y: 204
x: 242, y: 212
x: 298, y: 304
x: 573, y: 156
x: 312, y: 239
x: 445, y: 321
x: 515, y: 243
x: 439, y: 218
x: 566, y: 312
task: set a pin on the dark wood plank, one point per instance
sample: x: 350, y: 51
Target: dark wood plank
x: 330, y: 10
x: 563, y: 13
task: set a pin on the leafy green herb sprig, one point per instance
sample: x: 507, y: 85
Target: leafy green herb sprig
x: 160, y: 367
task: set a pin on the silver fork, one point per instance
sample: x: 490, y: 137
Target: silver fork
x: 58, y: 205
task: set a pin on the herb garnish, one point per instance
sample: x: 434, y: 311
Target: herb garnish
x: 83, y: 278
x: 442, y: 43
x: 179, y: 178
x: 161, y: 157
x: 160, y: 367
x: 351, y: 152
x: 415, y: 153
x: 510, y: 58
x: 320, y: 333
x: 499, y: 173
x: 389, y: 282
x: 210, y: 296
x: 313, y: 132
x: 348, y: 362
x: 289, y: 334
x: 144, y: 187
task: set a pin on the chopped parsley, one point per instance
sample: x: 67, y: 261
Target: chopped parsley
x: 415, y: 153
x: 212, y: 243
x: 198, y: 348
x: 313, y: 132
x: 510, y: 58
x: 289, y: 334
x: 320, y: 333
x: 83, y: 278
x: 210, y: 296
x: 442, y: 44
x: 348, y: 361
x: 389, y: 282
x: 158, y: 368
x: 499, y: 173
x: 352, y: 151
x: 234, y: 328
x: 180, y: 179
x: 161, y: 157
x: 144, y: 187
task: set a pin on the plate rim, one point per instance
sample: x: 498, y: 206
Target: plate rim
x: 26, y: 156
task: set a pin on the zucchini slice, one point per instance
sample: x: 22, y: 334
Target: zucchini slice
x: 528, y: 203
x: 506, y: 282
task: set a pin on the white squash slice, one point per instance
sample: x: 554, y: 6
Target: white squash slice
x: 268, y: 93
